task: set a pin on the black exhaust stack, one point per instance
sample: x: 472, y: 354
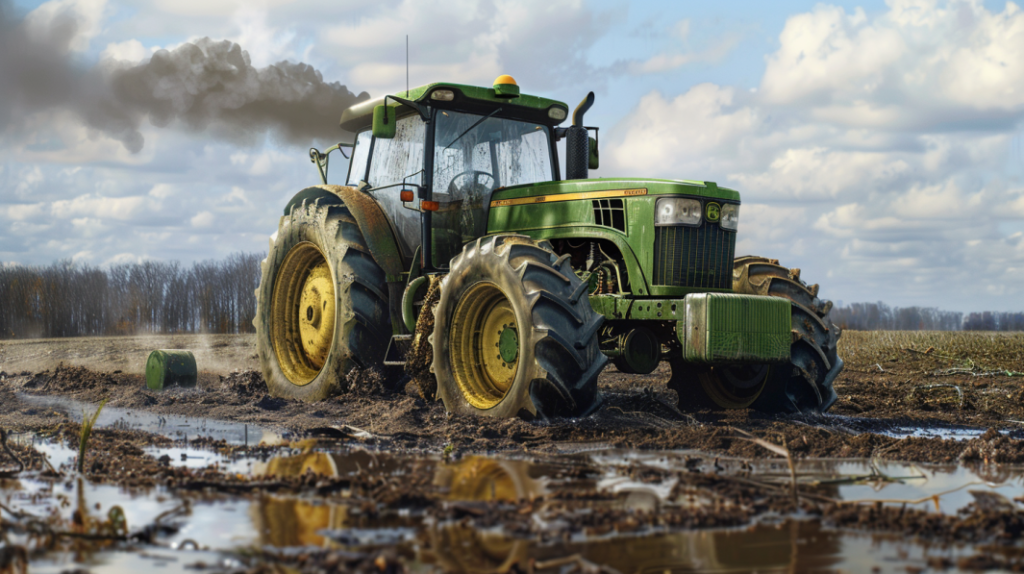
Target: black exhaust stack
x: 577, y: 143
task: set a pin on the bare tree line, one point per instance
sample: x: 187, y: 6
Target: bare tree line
x: 994, y: 321
x: 67, y: 299
x: 881, y: 317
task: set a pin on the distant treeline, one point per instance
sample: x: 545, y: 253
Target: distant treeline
x: 881, y: 317
x: 70, y: 300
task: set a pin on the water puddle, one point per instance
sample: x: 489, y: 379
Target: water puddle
x: 469, y: 515
x: 895, y: 430
x: 171, y: 426
x: 942, y: 488
x: 202, y: 458
x: 952, y: 433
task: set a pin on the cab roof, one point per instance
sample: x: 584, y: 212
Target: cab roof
x: 473, y: 99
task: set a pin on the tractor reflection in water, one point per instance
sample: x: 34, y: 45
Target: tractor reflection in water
x: 456, y: 547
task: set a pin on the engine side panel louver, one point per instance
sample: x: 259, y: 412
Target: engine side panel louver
x: 610, y: 213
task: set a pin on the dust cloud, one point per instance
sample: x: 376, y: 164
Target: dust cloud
x: 204, y: 85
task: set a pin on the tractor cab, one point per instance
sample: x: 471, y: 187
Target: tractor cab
x: 432, y: 159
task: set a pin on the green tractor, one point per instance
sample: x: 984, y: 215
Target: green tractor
x: 458, y: 253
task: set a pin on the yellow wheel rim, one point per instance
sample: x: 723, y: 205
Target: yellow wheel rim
x: 482, y: 479
x: 734, y: 387
x: 302, y: 313
x: 484, y: 345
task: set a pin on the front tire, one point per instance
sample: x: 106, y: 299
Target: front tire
x: 804, y: 384
x: 515, y: 334
x: 321, y: 309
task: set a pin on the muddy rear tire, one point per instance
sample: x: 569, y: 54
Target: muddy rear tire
x: 805, y: 383
x: 322, y: 309
x: 515, y: 334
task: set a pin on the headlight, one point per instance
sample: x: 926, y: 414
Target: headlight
x: 443, y: 95
x: 677, y: 211
x: 730, y: 216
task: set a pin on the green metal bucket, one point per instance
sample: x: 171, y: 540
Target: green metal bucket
x: 170, y: 367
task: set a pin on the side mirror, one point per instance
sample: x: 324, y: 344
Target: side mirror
x: 595, y: 160
x: 384, y: 122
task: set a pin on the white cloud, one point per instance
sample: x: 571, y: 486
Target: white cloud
x: 117, y: 208
x: 203, y: 220
x: 235, y: 201
x: 772, y: 228
x: 59, y: 137
x: 162, y: 191
x: 126, y: 257
x: 25, y: 212
x: 1017, y: 205
x: 541, y: 43
x: 868, y: 154
x: 855, y: 220
x: 265, y: 43
x: 670, y: 60
x: 267, y: 162
x: 920, y: 63
x: 682, y: 29
x: 945, y: 201
x: 694, y: 130
x: 28, y: 179
x: 89, y: 227
x: 827, y: 52
x: 127, y: 51
x: 55, y: 17
x: 798, y: 173
x: 214, y: 8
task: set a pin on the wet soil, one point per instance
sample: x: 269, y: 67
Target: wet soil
x: 321, y: 505
x: 886, y: 393
x: 419, y: 484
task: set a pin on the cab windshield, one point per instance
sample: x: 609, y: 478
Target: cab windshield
x: 473, y: 156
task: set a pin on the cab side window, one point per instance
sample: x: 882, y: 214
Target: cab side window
x: 394, y: 161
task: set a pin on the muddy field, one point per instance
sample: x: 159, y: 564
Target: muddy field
x: 924, y: 442
x: 902, y: 396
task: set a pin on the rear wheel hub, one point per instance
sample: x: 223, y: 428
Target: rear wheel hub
x: 484, y: 346
x: 303, y: 313
x: 508, y: 344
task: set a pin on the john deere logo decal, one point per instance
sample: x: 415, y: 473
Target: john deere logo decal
x: 713, y: 211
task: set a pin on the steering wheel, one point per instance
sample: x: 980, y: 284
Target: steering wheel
x: 476, y: 178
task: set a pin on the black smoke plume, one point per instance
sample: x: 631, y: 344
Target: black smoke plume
x: 206, y: 85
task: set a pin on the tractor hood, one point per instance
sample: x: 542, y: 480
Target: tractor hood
x: 622, y: 212
x: 554, y: 191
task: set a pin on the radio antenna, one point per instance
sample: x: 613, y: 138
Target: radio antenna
x: 407, y: 65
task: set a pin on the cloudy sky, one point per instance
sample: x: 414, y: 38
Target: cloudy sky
x: 877, y: 145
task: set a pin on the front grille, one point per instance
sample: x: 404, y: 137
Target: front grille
x: 694, y: 256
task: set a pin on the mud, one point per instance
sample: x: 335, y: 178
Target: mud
x: 386, y: 482
x: 320, y: 505
x: 970, y: 418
